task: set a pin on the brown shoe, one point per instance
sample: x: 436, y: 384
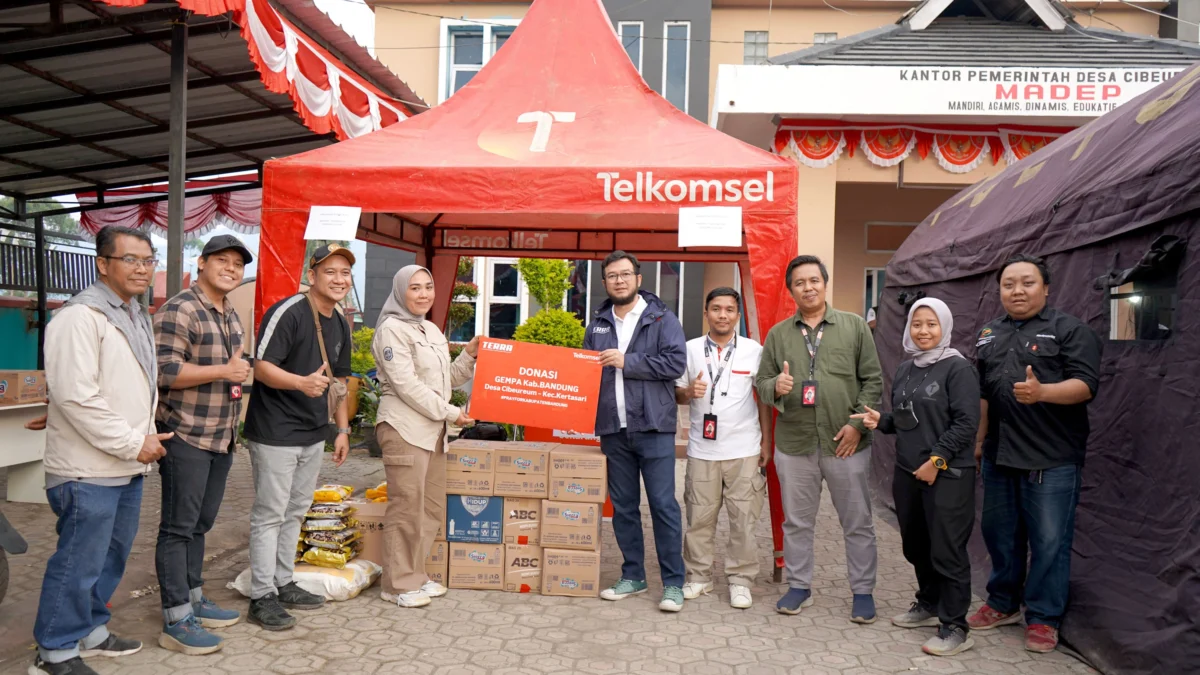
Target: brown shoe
x: 1040, y: 638
x: 987, y: 618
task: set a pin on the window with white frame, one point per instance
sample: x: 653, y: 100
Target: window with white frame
x: 467, y: 46
x: 754, y: 48
x: 631, y: 33
x: 873, y: 290
x: 504, y: 298
x: 677, y: 51
x: 822, y: 38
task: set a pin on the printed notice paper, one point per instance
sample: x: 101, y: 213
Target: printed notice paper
x: 339, y: 223
x: 710, y: 226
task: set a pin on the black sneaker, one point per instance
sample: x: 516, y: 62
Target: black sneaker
x: 75, y: 666
x: 294, y: 597
x: 268, y: 613
x: 112, y: 647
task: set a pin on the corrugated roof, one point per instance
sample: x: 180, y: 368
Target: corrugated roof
x: 988, y: 42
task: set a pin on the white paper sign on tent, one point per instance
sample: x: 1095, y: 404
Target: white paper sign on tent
x: 710, y: 226
x: 339, y: 223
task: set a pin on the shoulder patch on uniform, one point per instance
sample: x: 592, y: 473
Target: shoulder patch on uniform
x: 984, y: 340
x: 387, y: 353
x: 985, y: 332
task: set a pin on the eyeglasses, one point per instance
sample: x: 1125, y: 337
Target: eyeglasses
x: 623, y: 276
x: 148, y: 263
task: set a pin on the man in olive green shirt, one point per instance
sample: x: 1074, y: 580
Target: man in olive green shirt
x: 818, y: 368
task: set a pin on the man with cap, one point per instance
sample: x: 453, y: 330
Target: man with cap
x: 199, y: 342
x: 287, y: 425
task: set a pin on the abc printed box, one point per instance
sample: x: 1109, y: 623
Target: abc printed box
x: 522, y: 568
x: 477, y: 566
x: 469, y: 467
x: 572, y: 573
x: 570, y: 525
x: 471, y: 518
x: 522, y: 521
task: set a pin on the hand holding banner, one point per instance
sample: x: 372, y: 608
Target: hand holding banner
x: 536, y: 385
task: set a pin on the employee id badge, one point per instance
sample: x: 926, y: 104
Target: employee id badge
x: 710, y: 427
x: 235, y: 392
x: 808, y: 393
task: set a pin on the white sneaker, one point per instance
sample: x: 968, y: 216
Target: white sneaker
x: 410, y: 599
x: 695, y: 589
x: 739, y: 597
x: 433, y: 589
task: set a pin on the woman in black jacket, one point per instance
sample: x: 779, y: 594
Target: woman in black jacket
x: 935, y: 414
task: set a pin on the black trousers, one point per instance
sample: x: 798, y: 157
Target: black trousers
x: 935, y: 525
x: 193, y: 485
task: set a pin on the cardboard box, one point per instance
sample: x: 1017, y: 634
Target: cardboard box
x: 522, y: 568
x: 531, y: 485
x: 477, y: 566
x: 370, y: 522
x: 439, y: 573
x: 439, y: 554
x: 470, y: 483
x: 22, y: 387
x: 522, y: 521
x: 471, y: 456
x: 474, y: 519
x: 571, y: 573
x: 570, y: 525
x: 586, y: 490
x: 523, y: 457
x: 577, y: 461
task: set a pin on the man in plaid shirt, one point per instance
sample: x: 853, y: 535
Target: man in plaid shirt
x: 200, y: 376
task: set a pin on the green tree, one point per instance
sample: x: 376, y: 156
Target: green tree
x: 462, y: 308
x: 547, y: 280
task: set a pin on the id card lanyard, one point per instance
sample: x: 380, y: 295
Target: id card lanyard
x: 813, y: 346
x: 712, y: 394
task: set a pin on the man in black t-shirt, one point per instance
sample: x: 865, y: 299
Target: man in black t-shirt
x: 286, y: 427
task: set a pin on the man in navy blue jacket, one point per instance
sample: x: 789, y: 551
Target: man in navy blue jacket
x: 643, y: 351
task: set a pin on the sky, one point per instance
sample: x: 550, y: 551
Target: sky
x: 354, y: 17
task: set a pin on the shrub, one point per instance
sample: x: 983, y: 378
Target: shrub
x: 547, y: 280
x: 362, y: 361
x: 551, y: 327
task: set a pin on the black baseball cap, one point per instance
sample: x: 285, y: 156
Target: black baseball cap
x: 226, y: 242
x: 324, y: 252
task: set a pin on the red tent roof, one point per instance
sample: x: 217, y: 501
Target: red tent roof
x: 542, y: 140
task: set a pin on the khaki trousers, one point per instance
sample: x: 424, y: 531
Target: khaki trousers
x: 738, y: 484
x: 416, y: 481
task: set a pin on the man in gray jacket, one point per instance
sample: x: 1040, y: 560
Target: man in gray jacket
x: 100, y: 441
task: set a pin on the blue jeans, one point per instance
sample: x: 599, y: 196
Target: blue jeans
x: 651, y: 456
x: 1030, y: 515
x: 96, y: 527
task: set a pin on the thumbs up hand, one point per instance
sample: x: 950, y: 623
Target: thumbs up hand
x: 1029, y: 391
x: 698, y: 387
x: 314, y: 385
x: 238, y: 369
x: 784, y: 383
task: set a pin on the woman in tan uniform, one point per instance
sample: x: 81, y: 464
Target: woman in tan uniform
x: 413, y: 361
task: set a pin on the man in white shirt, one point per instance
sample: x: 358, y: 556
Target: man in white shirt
x: 727, y: 449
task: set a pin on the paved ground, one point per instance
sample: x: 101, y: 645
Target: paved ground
x: 477, y: 633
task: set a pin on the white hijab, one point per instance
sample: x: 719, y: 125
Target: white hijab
x: 943, y: 350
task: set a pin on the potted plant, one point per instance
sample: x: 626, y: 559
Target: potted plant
x: 368, y: 408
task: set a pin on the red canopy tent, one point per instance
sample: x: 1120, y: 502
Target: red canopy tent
x: 557, y: 149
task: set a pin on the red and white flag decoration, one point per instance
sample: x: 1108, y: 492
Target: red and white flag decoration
x: 326, y: 94
x: 957, y: 149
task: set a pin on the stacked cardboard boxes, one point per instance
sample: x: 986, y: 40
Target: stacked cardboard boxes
x: 496, y: 512
x: 22, y: 387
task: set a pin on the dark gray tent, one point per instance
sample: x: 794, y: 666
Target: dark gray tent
x: 1115, y: 208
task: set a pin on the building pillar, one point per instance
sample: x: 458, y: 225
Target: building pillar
x: 816, y: 216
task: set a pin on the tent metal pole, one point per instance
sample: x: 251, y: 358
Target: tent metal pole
x: 39, y: 239
x: 178, y: 157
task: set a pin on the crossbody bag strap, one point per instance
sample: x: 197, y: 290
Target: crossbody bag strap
x: 332, y: 395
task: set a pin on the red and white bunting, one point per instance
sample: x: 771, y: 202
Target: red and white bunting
x: 325, y: 93
x: 956, y: 149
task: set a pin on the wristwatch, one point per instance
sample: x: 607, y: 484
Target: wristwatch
x: 939, y: 463
x: 344, y: 431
